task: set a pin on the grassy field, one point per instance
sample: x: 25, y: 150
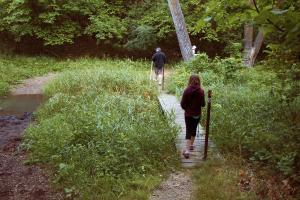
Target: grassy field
x: 14, y: 69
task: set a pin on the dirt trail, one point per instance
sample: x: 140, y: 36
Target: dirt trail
x: 33, y: 85
x: 17, y: 180
x: 177, y: 187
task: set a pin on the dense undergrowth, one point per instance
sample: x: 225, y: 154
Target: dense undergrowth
x: 102, y: 133
x: 255, y: 113
x: 14, y: 69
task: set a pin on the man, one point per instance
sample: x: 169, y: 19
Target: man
x: 159, y: 59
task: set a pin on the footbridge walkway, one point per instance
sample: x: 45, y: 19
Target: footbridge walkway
x: 171, y: 105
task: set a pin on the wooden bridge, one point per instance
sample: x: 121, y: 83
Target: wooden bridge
x: 170, y: 104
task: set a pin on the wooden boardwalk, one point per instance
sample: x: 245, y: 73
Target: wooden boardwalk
x: 170, y: 104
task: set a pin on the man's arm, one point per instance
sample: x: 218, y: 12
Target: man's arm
x: 153, y: 58
x: 165, y: 58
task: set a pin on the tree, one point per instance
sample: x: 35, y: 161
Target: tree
x: 181, y: 30
x: 251, y: 49
x: 60, y: 22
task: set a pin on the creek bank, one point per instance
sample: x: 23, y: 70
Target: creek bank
x: 19, y: 181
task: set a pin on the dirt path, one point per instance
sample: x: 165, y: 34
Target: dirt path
x: 17, y: 180
x: 177, y: 187
x: 33, y: 85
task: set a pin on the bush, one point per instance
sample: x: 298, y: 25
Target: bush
x: 103, y: 134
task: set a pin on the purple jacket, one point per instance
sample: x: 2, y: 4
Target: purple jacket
x: 192, y: 100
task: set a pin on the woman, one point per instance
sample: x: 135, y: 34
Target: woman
x: 191, y: 102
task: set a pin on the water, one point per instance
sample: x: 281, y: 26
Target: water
x: 19, y: 104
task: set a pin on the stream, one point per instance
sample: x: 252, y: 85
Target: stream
x: 15, y: 115
x: 17, y: 105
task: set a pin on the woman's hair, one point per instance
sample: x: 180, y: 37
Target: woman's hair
x: 194, y: 80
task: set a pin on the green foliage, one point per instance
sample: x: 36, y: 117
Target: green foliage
x: 4, y: 87
x: 223, y: 21
x: 142, y: 38
x: 103, y: 134
x: 142, y: 24
x: 60, y: 22
x: 255, y: 112
x: 282, y: 28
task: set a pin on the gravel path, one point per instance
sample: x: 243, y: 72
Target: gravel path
x: 177, y: 187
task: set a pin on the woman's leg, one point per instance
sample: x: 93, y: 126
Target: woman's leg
x: 188, y: 126
x: 194, y: 125
x: 192, y: 141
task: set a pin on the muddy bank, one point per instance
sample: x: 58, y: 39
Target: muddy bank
x: 11, y: 130
x: 17, y: 180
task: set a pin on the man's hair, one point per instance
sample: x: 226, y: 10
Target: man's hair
x: 158, y: 49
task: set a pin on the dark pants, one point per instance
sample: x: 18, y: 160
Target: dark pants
x: 191, y: 124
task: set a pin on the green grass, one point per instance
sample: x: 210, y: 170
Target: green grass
x: 219, y: 179
x: 102, y: 133
x: 14, y: 69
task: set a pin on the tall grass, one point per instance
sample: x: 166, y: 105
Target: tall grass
x: 14, y: 69
x: 103, y: 135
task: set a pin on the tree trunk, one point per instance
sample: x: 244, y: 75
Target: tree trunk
x: 257, y: 46
x: 248, y: 40
x: 181, y: 31
x: 251, y: 50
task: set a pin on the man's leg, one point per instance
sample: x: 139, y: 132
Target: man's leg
x: 160, y: 76
x: 156, y: 73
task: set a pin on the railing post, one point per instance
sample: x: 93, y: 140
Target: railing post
x: 163, y: 79
x: 207, y: 124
